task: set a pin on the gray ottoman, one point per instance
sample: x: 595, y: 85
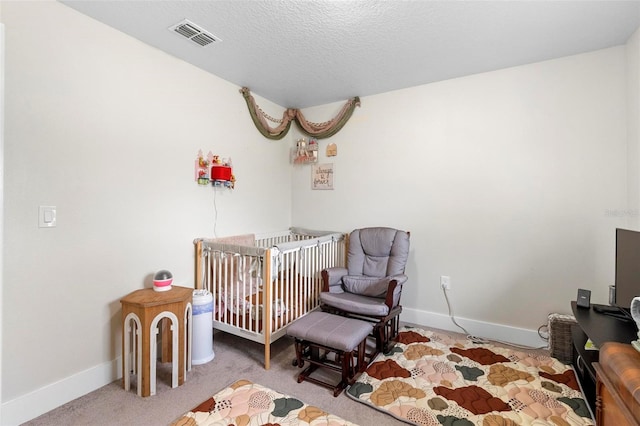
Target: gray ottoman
x: 319, y: 334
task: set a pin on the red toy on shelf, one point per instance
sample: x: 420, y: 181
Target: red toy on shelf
x: 219, y: 174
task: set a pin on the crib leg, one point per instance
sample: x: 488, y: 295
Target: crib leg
x: 267, y: 356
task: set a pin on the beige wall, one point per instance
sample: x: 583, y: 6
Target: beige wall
x: 511, y: 183
x: 1, y: 188
x: 107, y: 129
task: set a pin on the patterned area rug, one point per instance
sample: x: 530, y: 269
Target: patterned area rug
x: 245, y: 403
x: 434, y: 379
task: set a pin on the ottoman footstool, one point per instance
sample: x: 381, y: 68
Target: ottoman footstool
x: 319, y: 334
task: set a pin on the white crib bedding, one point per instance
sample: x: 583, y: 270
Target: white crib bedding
x: 239, y: 276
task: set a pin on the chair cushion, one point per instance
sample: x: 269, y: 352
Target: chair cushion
x: 366, y: 286
x: 378, y: 252
x: 355, y: 303
x: 333, y: 331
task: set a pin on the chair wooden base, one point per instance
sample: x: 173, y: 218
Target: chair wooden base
x: 333, y: 342
x: 348, y: 363
x: 385, y: 329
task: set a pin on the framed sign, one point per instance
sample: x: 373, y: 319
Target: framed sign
x: 322, y: 176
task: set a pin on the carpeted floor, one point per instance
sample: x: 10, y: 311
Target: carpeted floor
x: 235, y: 358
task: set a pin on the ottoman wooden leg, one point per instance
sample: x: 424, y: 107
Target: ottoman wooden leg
x: 346, y: 372
x: 361, y: 349
x: 299, y: 350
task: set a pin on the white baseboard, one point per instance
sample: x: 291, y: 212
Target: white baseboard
x: 500, y: 332
x: 33, y: 404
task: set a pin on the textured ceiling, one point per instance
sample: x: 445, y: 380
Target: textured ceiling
x: 306, y: 53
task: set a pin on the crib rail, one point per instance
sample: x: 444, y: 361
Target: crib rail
x: 271, y: 239
x: 259, y: 290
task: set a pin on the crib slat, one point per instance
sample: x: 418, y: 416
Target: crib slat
x: 266, y: 309
x: 260, y: 304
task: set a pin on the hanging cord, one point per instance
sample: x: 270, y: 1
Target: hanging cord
x: 476, y: 339
x: 543, y: 332
x: 215, y: 216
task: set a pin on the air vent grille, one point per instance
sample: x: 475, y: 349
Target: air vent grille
x: 194, y: 33
x: 203, y: 39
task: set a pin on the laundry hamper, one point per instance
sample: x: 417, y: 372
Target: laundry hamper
x: 202, y: 342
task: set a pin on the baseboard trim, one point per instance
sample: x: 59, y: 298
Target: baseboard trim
x: 38, y: 402
x: 501, y: 332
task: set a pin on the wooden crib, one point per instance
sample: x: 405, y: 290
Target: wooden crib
x: 282, y: 269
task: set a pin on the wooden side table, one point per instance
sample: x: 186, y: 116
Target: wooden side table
x: 142, y: 311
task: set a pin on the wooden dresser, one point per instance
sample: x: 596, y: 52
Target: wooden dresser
x: 618, y: 385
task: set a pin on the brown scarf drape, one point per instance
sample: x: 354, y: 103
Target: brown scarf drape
x: 316, y: 130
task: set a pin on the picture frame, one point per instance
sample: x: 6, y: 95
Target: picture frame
x: 322, y: 176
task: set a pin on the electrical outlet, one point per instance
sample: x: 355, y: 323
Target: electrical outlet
x: 445, y: 282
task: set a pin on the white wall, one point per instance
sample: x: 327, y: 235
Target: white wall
x: 633, y: 129
x: 1, y: 190
x: 107, y: 129
x: 509, y: 181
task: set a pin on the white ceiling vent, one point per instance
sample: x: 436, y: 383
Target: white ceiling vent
x: 194, y: 33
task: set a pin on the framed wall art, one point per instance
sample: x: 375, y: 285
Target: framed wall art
x: 322, y: 176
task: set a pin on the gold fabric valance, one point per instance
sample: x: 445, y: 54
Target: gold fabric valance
x: 316, y: 130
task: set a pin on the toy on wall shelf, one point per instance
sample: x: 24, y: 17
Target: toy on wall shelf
x: 305, y: 153
x: 214, y: 170
x: 202, y: 169
x: 332, y: 150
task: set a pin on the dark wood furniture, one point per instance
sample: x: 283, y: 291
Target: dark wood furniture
x: 318, y: 335
x: 618, y: 385
x: 600, y: 328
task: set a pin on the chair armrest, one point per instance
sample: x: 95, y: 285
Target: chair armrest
x: 394, y: 291
x: 401, y: 279
x: 332, y: 277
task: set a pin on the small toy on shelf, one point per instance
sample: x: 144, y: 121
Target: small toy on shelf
x: 214, y: 170
x: 304, y: 153
x: 202, y: 169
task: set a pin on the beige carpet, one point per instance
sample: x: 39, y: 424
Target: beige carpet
x: 235, y: 359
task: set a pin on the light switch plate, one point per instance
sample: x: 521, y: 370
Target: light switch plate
x: 47, y: 217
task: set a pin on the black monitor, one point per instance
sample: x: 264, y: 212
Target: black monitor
x: 627, y: 284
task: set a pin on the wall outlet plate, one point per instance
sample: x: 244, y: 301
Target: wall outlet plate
x: 445, y: 282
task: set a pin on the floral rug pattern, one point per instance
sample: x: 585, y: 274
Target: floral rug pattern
x: 246, y: 404
x: 433, y: 379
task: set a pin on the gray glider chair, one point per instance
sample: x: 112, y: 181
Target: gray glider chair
x: 369, y: 288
